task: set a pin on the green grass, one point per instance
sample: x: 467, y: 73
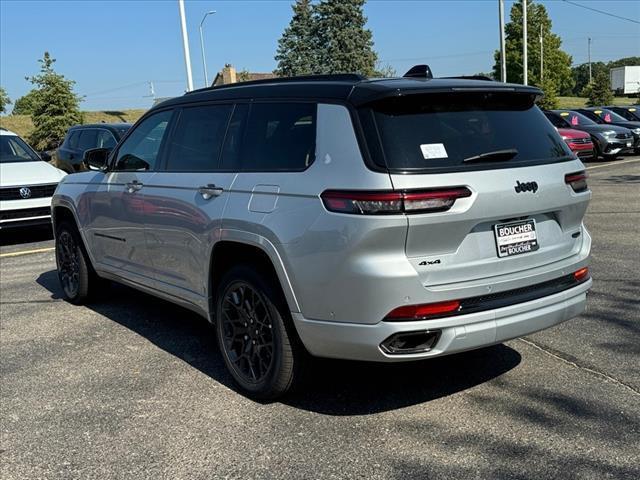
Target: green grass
x: 22, y: 125
x: 581, y: 102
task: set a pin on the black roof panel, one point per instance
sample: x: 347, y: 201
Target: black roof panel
x: 347, y: 88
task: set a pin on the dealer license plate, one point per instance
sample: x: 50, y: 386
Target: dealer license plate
x: 516, y: 238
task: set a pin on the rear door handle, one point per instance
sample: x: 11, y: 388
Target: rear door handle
x: 134, y: 186
x: 210, y: 190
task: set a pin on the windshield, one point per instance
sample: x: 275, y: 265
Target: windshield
x: 575, y: 118
x: 13, y: 149
x: 441, y: 131
x: 609, y: 116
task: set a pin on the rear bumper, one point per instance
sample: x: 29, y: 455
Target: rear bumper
x: 465, y: 332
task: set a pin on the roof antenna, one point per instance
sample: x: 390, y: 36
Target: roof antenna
x: 419, y: 71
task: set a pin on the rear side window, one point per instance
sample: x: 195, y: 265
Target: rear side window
x: 279, y: 137
x: 197, y: 138
x: 72, y: 139
x: 88, y: 139
x: 448, y: 132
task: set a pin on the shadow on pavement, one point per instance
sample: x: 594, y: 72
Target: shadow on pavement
x: 331, y: 387
x: 26, y: 235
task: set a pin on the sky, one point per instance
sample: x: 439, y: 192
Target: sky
x: 112, y: 49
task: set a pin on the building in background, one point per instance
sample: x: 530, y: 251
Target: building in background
x: 229, y: 75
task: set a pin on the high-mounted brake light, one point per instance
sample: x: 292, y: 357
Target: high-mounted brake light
x: 423, y: 312
x: 389, y: 203
x: 582, y: 274
x: 577, y: 181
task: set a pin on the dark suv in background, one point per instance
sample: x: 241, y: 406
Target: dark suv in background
x: 604, y: 116
x: 81, y: 138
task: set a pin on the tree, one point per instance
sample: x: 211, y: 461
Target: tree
x: 295, y: 55
x: 581, y: 75
x: 599, y: 91
x: 550, y: 99
x: 557, y: 63
x: 24, y: 105
x: 4, y: 100
x: 55, y: 106
x: 341, y: 42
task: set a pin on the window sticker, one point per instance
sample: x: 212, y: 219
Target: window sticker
x: 433, y: 150
x: 564, y: 114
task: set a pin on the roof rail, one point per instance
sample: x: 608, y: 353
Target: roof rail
x: 336, y: 77
x: 472, y: 77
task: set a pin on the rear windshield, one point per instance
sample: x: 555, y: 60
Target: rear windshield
x: 448, y: 132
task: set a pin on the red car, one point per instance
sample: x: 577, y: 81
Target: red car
x: 579, y: 142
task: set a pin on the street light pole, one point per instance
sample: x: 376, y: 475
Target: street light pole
x: 541, y: 55
x: 204, y: 59
x: 503, y: 59
x: 524, y: 42
x: 589, y: 53
x: 185, y: 45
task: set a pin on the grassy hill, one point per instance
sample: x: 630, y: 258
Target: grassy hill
x: 21, y: 124
x: 581, y: 102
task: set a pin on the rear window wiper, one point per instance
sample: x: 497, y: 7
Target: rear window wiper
x: 499, y: 155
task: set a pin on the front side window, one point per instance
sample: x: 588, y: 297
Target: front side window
x: 197, y: 138
x: 462, y: 131
x: 13, y: 149
x: 105, y: 139
x: 140, y: 150
x: 279, y: 137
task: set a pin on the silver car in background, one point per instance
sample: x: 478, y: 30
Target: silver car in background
x: 337, y: 216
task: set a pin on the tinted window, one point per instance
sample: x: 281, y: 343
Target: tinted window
x: 575, y: 118
x: 140, y: 150
x: 556, y: 121
x: 72, y: 139
x: 233, y: 141
x: 88, y: 139
x: 13, y: 149
x: 609, y: 116
x: 105, y: 139
x: 440, y: 131
x: 197, y: 138
x: 279, y: 137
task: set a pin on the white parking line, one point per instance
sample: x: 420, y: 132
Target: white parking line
x: 27, y: 252
x: 614, y: 163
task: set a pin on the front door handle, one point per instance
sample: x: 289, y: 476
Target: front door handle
x: 134, y: 186
x: 210, y: 190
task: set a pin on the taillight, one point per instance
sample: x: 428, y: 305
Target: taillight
x: 423, y: 312
x: 389, y: 203
x: 577, y: 181
x: 582, y: 274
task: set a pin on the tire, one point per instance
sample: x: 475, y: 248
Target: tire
x: 255, y: 334
x: 77, y: 277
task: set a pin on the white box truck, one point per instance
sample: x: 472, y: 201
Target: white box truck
x: 625, y: 80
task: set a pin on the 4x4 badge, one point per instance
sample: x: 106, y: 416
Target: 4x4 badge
x: 526, y: 187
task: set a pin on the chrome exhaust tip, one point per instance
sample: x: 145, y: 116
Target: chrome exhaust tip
x: 403, y: 343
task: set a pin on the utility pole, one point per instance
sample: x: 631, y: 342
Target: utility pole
x: 589, y: 54
x: 524, y: 42
x: 503, y: 59
x: 185, y: 45
x: 541, y: 55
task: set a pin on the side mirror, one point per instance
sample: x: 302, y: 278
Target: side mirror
x: 96, y: 159
x: 45, y: 156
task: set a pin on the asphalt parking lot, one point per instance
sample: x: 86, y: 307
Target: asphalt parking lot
x: 133, y: 387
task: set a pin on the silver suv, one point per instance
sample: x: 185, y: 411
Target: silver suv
x: 377, y: 220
